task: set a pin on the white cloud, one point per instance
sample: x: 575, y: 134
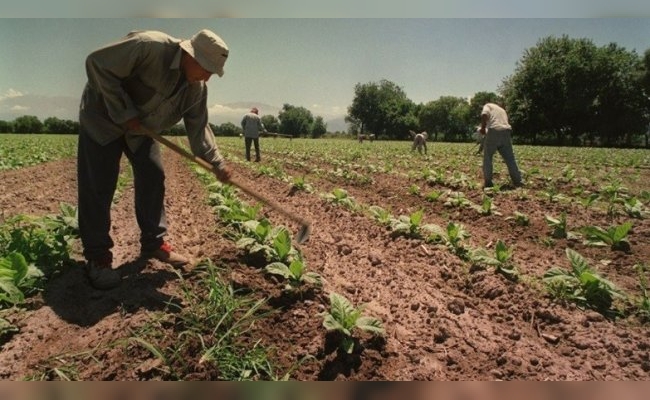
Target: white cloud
x: 10, y: 94
x: 18, y: 108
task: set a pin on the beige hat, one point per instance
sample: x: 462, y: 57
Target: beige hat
x: 208, y: 49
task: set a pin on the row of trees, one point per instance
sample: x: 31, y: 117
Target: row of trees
x: 31, y: 124
x: 563, y: 91
x: 292, y: 120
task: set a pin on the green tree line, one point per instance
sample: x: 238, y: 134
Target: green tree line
x: 563, y: 92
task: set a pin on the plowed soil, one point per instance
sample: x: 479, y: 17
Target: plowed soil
x: 443, y: 320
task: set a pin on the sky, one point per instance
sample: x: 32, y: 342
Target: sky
x: 308, y: 62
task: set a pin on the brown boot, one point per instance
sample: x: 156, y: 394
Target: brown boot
x: 166, y: 254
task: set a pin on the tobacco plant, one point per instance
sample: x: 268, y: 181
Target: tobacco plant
x: 559, y: 227
x: 520, y: 219
x: 634, y: 208
x: 581, y: 285
x: 274, y: 243
x: 644, y: 302
x: 346, y: 319
x: 300, y: 184
x: 501, y: 260
x: 295, y: 273
x: 341, y: 197
x: 410, y: 225
x: 380, y: 215
x: 615, y: 237
x: 453, y: 237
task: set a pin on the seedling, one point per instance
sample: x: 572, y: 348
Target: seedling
x: 615, y: 237
x: 345, y: 318
x: 558, y: 226
x: 520, y: 219
x: 501, y: 260
x: 410, y: 225
x: 581, y: 285
x: 295, y: 273
x: 380, y: 215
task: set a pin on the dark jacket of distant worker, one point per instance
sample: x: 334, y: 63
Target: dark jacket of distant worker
x: 252, y: 126
x: 147, y: 80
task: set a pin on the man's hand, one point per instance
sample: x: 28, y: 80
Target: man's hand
x: 134, y: 127
x: 222, y: 172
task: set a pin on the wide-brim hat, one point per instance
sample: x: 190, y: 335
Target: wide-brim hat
x: 208, y: 49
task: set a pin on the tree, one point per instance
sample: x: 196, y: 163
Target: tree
x: 28, y: 124
x: 477, y: 102
x: 228, y: 129
x: 620, y: 106
x: 448, y: 115
x: 295, y: 121
x: 271, y: 123
x: 6, y: 127
x: 319, y: 128
x: 56, y: 125
x: 571, y: 91
x: 383, y: 109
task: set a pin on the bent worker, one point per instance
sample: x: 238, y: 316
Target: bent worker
x: 419, y: 141
x: 147, y: 80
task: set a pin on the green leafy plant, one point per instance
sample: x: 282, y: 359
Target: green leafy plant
x: 558, y: 226
x: 589, y: 200
x: 346, y: 318
x: 410, y: 225
x: 341, y: 197
x: 299, y: 183
x: 380, y: 215
x: 644, y: 302
x: 296, y: 274
x: 501, y: 260
x: 634, y: 208
x: 452, y: 236
x: 487, y: 207
x: 615, y: 237
x: 414, y: 190
x: 433, y: 196
x: 17, y: 279
x: 581, y: 285
x: 520, y: 219
x: 273, y: 242
x: 457, y: 199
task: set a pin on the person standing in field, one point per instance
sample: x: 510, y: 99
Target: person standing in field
x: 148, y: 80
x: 252, y: 126
x: 419, y: 141
x: 497, y: 136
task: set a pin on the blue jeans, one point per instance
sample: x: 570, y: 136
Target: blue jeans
x: 500, y: 141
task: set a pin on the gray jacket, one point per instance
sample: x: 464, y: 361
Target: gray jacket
x: 140, y: 76
x: 252, y: 125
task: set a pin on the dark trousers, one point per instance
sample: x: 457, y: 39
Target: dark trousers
x: 98, y: 168
x: 256, y: 142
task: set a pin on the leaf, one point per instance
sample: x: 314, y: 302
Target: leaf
x: 282, y: 244
x: 278, y: 268
x: 297, y: 268
x: 332, y: 324
x: 578, y: 263
x: 370, y: 324
x: 621, y: 232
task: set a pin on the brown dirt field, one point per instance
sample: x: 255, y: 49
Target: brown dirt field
x: 443, y: 321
